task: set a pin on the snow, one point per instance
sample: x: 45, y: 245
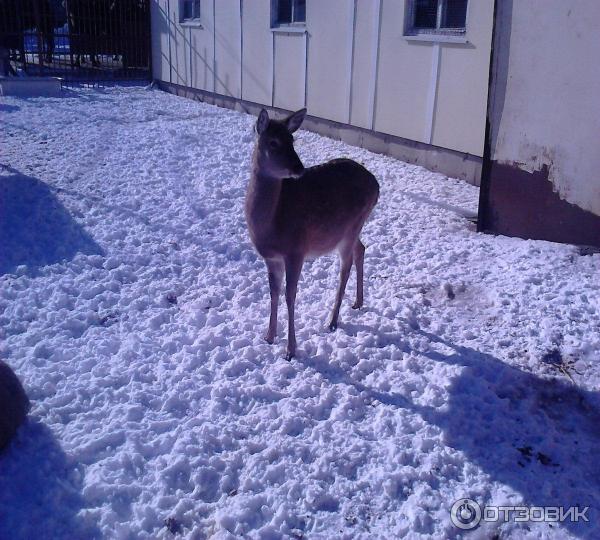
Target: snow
x: 133, y: 308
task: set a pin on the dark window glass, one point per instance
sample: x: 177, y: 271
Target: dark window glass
x: 300, y: 11
x: 284, y: 11
x: 426, y: 13
x: 187, y: 10
x: 191, y: 9
x: 455, y: 14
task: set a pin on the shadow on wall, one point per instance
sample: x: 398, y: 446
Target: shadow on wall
x: 209, y: 76
x: 504, y: 18
x: 539, y: 437
x: 183, y: 64
x: 40, y: 489
x: 35, y: 228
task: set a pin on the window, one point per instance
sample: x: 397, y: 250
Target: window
x: 288, y: 12
x: 445, y: 17
x: 190, y: 10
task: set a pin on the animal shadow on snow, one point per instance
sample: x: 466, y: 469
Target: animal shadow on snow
x: 540, y: 437
x: 4, y: 107
x: 424, y: 199
x: 40, y: 489
x: 35, y: 228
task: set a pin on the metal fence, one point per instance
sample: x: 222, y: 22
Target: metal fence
x: 81, y: 41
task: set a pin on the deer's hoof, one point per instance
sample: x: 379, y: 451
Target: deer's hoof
x: 269, y: 339
x: 289, y: 356
x: 357, y: 305
x: 333, y: 326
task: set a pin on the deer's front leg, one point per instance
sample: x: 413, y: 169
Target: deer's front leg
x: 293, y: 267
x: 275, y: 269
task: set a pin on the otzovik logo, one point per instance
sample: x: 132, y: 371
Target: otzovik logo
x: 465, y: 514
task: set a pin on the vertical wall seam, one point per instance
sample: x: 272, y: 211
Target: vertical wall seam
x: 241, y: 49
x: 305, y: 68
x: 169, y: 28
x: 432, y: 95
x: 375, y: 64
x: 351, y: 58
x: 215, y: 46
x: 272, y: 69
x: 190, y: 45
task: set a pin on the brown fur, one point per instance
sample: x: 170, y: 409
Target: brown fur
x: 294, y: 213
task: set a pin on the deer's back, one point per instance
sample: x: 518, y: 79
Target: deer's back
x: 325, y: 204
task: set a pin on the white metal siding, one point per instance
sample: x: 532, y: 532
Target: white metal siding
x: 228, y: 55
x: 404, y: 77
x: 431, y: 93
x: 288, y: 86
x: 461, y: 103
x: 179, y: 41
x: 160, y: 40
x: 201, y: 52
x: 549, y: 113
x: 258, y: 51
x: 363, y: 71
x: 329, y: 53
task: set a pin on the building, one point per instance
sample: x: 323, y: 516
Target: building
x: 541, y: 177
x: 380, y: 66
x: 410, y: 78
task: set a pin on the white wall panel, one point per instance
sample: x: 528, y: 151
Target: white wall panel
x: 258, y: 51
x: 463, y: 85
x: 329, y: 50
x: 548, y: 113
x: 159, y: 18
x: 404, y: 77
x: 364, y: 63
x: 180, y: 58
x: 228, y: 47
x: 289, y: 70
x: 201, y: 50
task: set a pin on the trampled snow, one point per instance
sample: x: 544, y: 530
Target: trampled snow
x: 133, y: 308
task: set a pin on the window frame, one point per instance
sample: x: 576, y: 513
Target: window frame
x: 195, y: 20
x: 275, y: 23
x: 411, y: 31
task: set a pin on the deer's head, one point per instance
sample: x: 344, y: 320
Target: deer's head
x: 275, y: 152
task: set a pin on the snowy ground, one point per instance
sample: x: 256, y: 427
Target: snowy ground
x: 133, y: 308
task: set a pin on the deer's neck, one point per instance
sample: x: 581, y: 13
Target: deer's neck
x: 262, y: 200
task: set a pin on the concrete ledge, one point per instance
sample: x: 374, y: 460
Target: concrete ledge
x: 30, y: 86
x: 449, y: 162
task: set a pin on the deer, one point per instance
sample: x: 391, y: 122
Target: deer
x: 295, y: 213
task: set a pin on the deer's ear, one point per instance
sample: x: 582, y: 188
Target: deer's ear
x: 262, y: 122
x: 293, y: 122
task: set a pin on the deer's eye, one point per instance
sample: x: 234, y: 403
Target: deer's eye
x: 274, y: 144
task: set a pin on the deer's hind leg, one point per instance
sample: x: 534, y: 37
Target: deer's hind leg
x: 275, y: 268
x: 359, y: 261
x: 346, y: 257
